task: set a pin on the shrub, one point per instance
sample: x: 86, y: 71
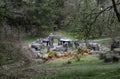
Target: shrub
x: 115, y: 58
x: 109, y: 57
x: 52, y: 54
x: 77, y: 57
x: 102, y: 56
x: 13, y: 52
x: 69, y: 62
x: 82, y: 50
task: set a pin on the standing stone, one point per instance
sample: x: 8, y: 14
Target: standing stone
x: 65, y: 45
x: 46, y: 41
x: 73, y: 46
x: 51, y: 39
x: 48, y: 48
x: 115, y: 44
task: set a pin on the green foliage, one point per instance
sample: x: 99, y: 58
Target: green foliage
x: 82, y: 21
x: 32, y: 16
x: 42, y: 14
x: 7, y: 53
x: 3, y: 11
x: 88, y: 21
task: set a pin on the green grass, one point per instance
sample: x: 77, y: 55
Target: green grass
x: 65, y: 34
x: 88, y: 68
x: 55, y: 40
x: 29, y: 40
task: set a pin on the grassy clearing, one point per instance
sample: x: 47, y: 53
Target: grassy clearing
x: 29, y: 40
x: 55, y: 40
x: 88, y: 68
x: 64, y: 34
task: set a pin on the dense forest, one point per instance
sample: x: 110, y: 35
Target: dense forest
x: 37, y: 17
x: 82, y: 19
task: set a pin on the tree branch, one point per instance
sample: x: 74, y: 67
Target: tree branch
x: 107, y: 8
x: 115, y: 10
